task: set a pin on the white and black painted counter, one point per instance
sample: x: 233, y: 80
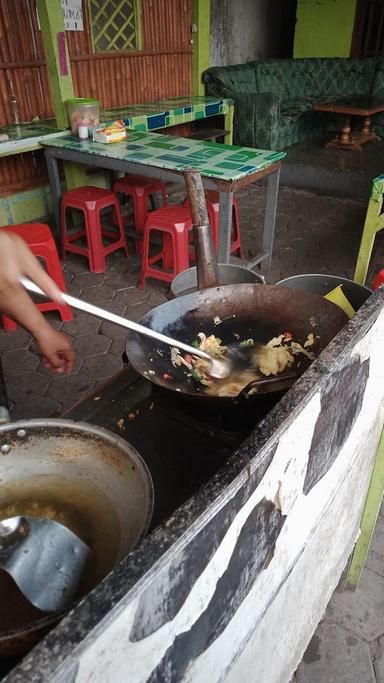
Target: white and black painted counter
x: 233, y: 586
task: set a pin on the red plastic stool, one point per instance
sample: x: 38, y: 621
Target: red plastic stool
x: 41, y: 243
x: 379, y: 279
x: 91, y: 201
x: 140, y: 189
x: 212, y: 199
x: 174, y: 224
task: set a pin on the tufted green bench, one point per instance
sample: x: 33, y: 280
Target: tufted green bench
x: 274, y: 98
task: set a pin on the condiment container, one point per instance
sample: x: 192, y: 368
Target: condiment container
x: 83, y: 111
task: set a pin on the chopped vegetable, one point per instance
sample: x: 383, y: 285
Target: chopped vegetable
x: 247, y: 342
x: 310, y: 340
x: 272, y: 358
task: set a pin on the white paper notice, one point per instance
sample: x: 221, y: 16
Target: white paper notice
x: 73, y: 15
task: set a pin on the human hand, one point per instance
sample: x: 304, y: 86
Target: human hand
x: 18, y: 260
x: 56, y: 349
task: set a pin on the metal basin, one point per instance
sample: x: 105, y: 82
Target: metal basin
x: 322, y: 284
x: 84, y: 477
x: 230, y: 274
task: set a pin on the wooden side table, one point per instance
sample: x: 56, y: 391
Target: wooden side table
x: 352, y: 105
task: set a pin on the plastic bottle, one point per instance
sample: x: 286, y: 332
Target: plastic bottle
x: 82, y: 132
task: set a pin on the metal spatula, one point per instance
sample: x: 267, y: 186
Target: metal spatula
x: 236, y: 358
x: 219, y: 367
x: 44, y: 558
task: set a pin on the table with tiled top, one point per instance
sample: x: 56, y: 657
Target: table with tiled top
x: 26, y: 137
x: 174, y: 111
x: 148, y: 116
x: 224, y: 168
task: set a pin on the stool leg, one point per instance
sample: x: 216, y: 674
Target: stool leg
x: 54, y: 270
x: 119, y: 223
x: 95, y: 243
x: 165, y: 197
x: 145, y: 259
x: 371, y: 226
x: 140, y: 200
x: 63, y: 230
x: 9, y: 324
x: 168, y: 252
x: 214, y: 222
x: 140, y: 217
x: 236, y: 229
x: 180, y: 252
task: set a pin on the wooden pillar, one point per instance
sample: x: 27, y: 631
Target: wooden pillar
x: 52, y: 27
x: 201, y: 10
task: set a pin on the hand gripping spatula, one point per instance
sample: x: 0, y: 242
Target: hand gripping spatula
x: 44, y: 558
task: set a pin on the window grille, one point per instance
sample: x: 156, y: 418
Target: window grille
x: 115, y: 25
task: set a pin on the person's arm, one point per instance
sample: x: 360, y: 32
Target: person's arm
x: 16, y: 260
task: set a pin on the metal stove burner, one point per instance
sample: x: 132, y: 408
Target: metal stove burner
x: 184, y: 441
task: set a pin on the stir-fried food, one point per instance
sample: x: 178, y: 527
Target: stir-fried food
x: 270, y: 359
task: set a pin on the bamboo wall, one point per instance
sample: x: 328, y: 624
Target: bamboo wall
x: 161, y: 69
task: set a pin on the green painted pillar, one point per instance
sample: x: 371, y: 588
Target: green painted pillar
x: 368, y: 521
x: 201, y: 10
x: 52, y: 27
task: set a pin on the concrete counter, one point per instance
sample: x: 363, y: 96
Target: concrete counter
x: 233, y: 585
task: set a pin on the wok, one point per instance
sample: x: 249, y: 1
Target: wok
x: 242, y: 311
x: 83, y: 476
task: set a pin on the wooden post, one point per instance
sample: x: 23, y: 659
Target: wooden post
x: 52, y: 27
x: 200, y: 34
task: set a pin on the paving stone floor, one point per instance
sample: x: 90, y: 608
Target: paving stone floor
x: 314, y: 234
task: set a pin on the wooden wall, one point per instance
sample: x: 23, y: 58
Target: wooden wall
x: 161, y: 69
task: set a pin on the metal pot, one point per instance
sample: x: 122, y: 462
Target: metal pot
x: 322, y: 284
x: 229, y: 274
x: 83, y: 476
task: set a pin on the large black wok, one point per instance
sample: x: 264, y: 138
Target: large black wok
x: 243, y: 311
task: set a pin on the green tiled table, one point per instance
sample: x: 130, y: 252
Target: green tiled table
x: 148, y: 116
x: 26, y: 137
x: 224, y: 168
x: 151, y: 116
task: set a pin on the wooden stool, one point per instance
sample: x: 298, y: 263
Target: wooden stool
x: 91, y: 201
x: 41, y: 243
x: 174, y: 224
x: 374, y: 221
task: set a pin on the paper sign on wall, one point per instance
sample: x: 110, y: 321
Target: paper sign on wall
x: 73, y: 15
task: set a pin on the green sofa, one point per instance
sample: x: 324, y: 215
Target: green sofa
x: 274, y: 98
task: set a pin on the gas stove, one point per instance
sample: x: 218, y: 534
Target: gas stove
x: 183, y: 440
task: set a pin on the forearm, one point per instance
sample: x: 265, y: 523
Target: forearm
x: 17, y: 304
